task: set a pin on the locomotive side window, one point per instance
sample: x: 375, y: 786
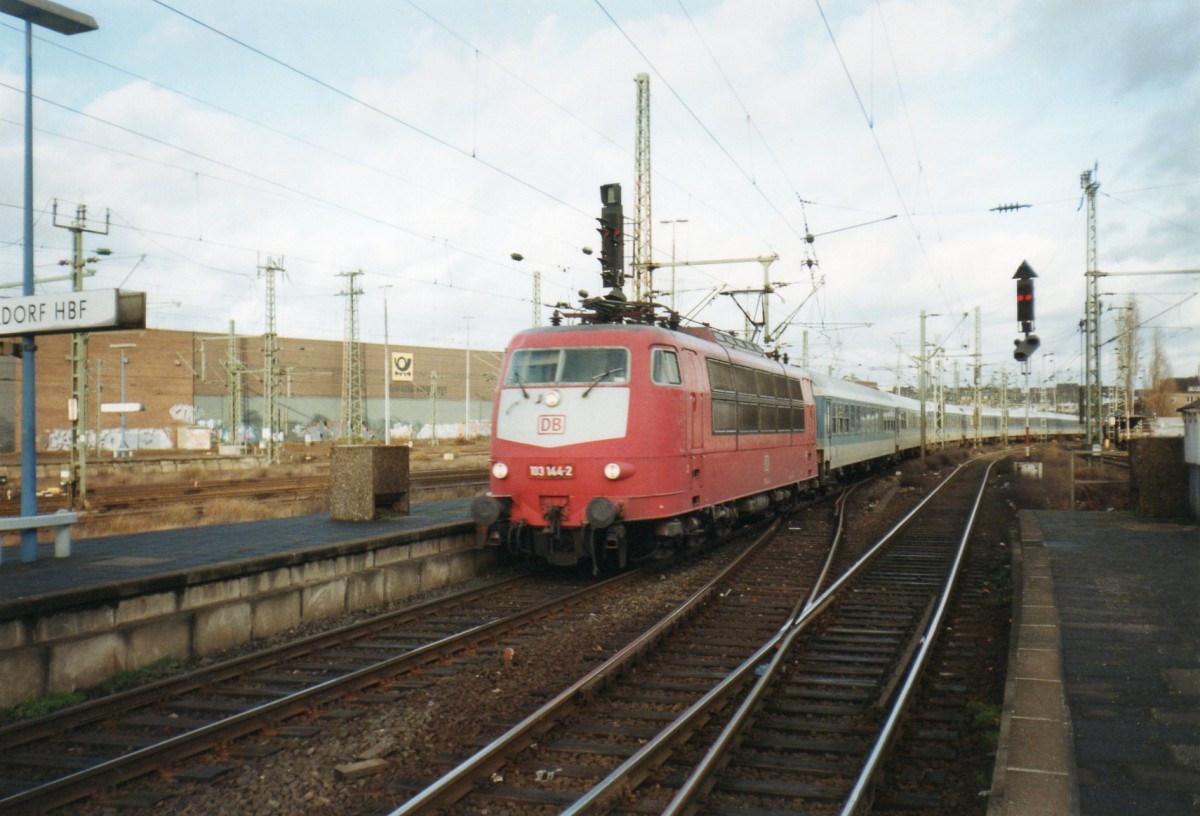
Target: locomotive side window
x: 570, y: 366
x: 796, y: 393
x: 724, y: 396
x: 664, y: 367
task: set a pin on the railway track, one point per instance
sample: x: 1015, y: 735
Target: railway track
x: 72, y: 754
x: 738, y: 708
x: 552, y: 758
x: 194, y: 726
x: 140, y: 497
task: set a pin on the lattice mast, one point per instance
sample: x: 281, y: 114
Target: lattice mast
x: 272, y: 424
x: 977, y: 390
x: 643, y: 285
x: 234, y: 369
x: 79, y: 348
x: 353, y: 413
x: 1092, y: 388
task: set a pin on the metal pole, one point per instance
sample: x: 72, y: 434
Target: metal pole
x: 387, y: 374
x: 1025, y: 371
x: 28, y: 368
x: 467, y: 388
x: 124, y: 447
x: 921, y: 384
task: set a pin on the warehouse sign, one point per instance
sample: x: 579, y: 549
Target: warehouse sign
x: 94, y: 310
x: 402, y: 366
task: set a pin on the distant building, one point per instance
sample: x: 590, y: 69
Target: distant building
x: 1182, y: 391
x: 184, y: 381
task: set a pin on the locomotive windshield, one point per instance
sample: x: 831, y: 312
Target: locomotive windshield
x: 568, y: 366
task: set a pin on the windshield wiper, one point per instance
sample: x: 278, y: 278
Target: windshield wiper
x: 596, y: 380
x: 521, y: 383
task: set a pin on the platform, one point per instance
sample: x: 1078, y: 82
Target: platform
x: 136, y: 558
x: 120, y: 603
x: 1102, y: 703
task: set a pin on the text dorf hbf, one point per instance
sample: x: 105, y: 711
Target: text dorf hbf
x: 31, y: 313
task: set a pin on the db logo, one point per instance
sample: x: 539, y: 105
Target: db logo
x: 552, y: 424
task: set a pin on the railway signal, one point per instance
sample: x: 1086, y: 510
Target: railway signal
x: 1024, y: 347
x: 1027, y: 345
x: 1024, y: 277
x: 612, y: 237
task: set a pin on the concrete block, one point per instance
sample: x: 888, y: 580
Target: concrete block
x: 151, y: 642
x: 86, y: 662
x: 325, y: 600
x: 367, y: 479
x: 12, y: 635
x: 1038, y: 664
x: 365, y: 589
x: 221, y: 627
x: 392, y: 555
x: 435, y: 572
x: 1039, y: 636
x: 1039, y: 699
x: 215, y: 592
x: 314, y: 571
x: 74, y: 623
x: 141, y: 607
x: 425, y: 549
x: 354, y: 563
x: 1034, y: 793
x: 276, y: 613
x: 269, y: 581
x: 22, y: 675
x: 460, y: 566
x: 402, y: 581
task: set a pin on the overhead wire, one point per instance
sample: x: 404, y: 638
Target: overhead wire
x: 369, y: 106
x: 883, y: 155
x: 700, y: 122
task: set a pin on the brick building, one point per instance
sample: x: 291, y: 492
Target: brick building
x: 183, y: 380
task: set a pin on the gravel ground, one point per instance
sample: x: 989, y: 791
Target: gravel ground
x: 364, y: 764
x: 421, y: 729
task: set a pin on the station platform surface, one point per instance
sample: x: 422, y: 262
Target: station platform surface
x: 1103, y: 695
x: 130, y: 559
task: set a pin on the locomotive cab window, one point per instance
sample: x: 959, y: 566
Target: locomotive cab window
x: 568, y: 366
x: 664, y: 367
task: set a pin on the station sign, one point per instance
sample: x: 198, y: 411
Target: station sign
x: 402, y: 366
x: 66, y: 312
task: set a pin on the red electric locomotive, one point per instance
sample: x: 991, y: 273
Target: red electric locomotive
x: 617, y: 442
x: 626, y: 436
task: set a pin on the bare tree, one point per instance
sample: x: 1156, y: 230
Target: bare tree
x: 1158, y: 397
x: 1128, y: 353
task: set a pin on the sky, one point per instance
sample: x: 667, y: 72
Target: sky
x: 426, y: 142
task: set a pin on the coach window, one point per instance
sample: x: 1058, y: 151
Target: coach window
x: 664, y: 367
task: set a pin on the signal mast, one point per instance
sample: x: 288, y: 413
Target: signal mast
x: 1025, y: 346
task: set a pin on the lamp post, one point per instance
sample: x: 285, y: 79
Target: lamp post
x: 65, y: 21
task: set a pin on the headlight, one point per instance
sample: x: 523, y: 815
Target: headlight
x: 500, y: 470
x: 551, y: 399
x: 618, y: 470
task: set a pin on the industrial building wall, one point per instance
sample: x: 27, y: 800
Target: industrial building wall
x: 182, y: 379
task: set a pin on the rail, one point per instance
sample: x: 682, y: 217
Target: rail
x: 82, y: 782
